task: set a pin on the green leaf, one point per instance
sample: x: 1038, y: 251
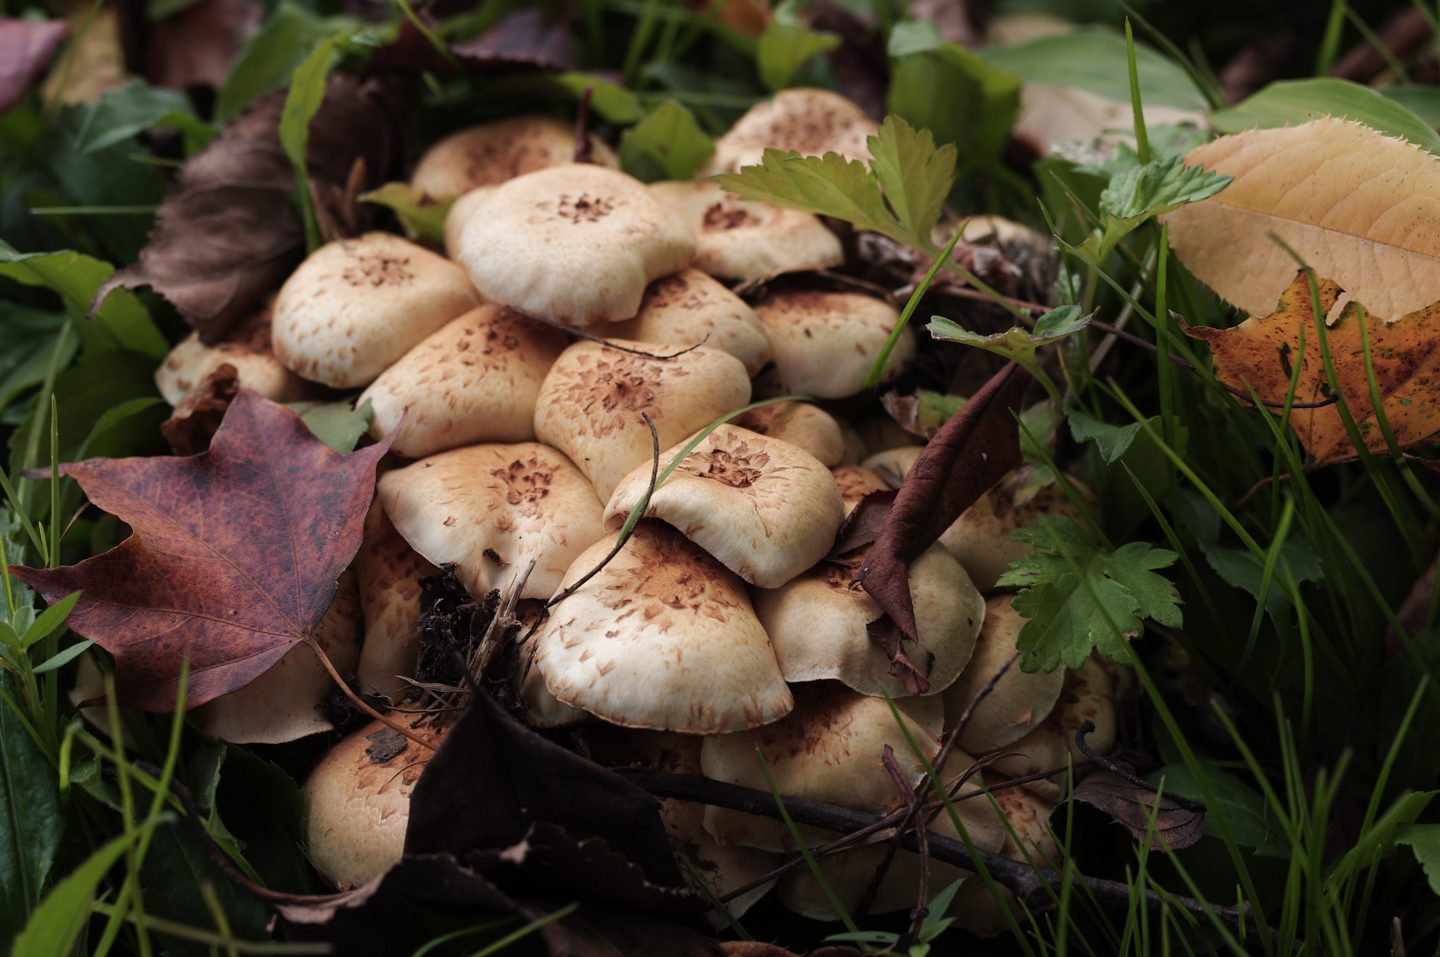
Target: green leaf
x: 612, y: 101
x: 136, y: 107
x: 75, y: 277
x: 1094, y: 60
x: 1158, y: 187
x: 960, y: 97
x: 1081, y: 598
x: 785, y: 47
x: 31, y: 819
x: 1113, y: 441
x: 63, y: 658
x: 1423, y: 101
x: 1240, y: 568
x: 1424, y: 840
x: 1017, y: 342
x: 337, y: 424
x: 1241, y: 807
x: 50, y: 619
x: 1290, y: 102
x: 269, y: 59
x: 422, y: 215
x: 307, y: 92
x: 913, y: 36
x: 913, y: 173
x: 667, y: 144
x: 31, y: 337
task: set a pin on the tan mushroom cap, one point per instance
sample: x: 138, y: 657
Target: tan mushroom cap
x: 880, y: 433
x: 577, y: 244
x: 765, y: 509
x: 491, y: 509
x: 825, y: 342
x: 854, y: 445
x: 689, y: 308
x: 389, y: 573
x: 751, y: 242
x: 247, y: 348
x: 591, y: 404
x: 817, y: 624
x: 459, y: 214
x: 799, y: 423
x: 975, y: 907
x: 980, y: 537
x: 807, y: 121
x: 1020, y: 699
x: 830, y: 748
x: 492, y: 153
x: 286, y: 703
x: 1088, y: 695
x: 356, y: 809
x: 356, y: 306
x: 1041, y: 750
x: 473, y: 380
x: 855, y: 482
x: 663, y: 637
x: 892, y: 465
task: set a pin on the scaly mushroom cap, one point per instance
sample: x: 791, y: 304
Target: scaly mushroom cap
x: 355, y: 306
x: 1019, y: 701
x: 1043, y: 749
x: 389, y: 573
x: 825, y: 342
x: 980, y: 537
x: 247, y: 348
x: 543, y: 709
x: 1088, y: 695
x: 765, y: 509
x: 830, y: 748
x: 807, y: 121
x: 662, y: 637
x: 590, y: 404
x: 357, y: 807
x: 689, y: 308
x: 490, y: 510
x: 492, y: 153
x: 855, y: 482
x: 460, y: 212
x: 799, y: 423
x: 751, y: 242
x: 817, y: 624
x: 578, y: 244
x: 473, y: 380
x: 286, y: 703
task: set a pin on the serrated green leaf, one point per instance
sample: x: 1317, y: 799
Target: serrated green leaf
x: 337, y: 424
x: 785, y: 47
x: 1424, y: 840
x: 1290, y: 102
x: 1017, y: 342
x: 914, y: 174
x: 828, y: 185
x: 1158, y: 187
x: 667, y: 144
x: 422, y: 215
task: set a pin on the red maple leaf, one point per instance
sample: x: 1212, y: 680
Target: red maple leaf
x: 233, y: 558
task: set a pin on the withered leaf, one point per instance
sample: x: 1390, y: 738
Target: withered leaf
x: 195, y: 47
x: 26, y: 48
x: 1176, y: 825
x: 234, y: 554
x: 228, y: 231
x: 520, y: 40
x: 1263, y: 351
x: 973, y: 450
x: 195, y: 420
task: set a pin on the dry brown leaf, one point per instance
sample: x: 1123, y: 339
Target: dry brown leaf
x: 1360, y: 207
x: 1261, y: 353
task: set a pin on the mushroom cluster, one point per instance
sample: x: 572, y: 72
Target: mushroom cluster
x: 579, y: 319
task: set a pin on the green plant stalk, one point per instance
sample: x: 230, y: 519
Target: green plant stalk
x: 1137, y: 110
x: 877, y: 368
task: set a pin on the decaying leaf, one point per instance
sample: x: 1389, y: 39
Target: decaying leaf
x: 1169, y: 825
x: 1359, y: 207
x: 234, y: 555
x: 1263, y: 351
x: 196, y: 46
x: 195, y: 420
x: 518, y: 40
x: 26, y: 47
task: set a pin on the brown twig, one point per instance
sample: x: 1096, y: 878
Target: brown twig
x: 584, y: 151
x: 922, y: 886
x: 601, y: 340
x: 360, y: 702
x: 1129, y: 777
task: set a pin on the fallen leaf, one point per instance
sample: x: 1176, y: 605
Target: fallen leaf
x: 1359, y: 207
x: 228, y: 232
x: 518, y: 40
x: 1263, y: 351
x: 923, y: 413
x: 1168, y: 825
x: 233, y: 558
x: 26, y: 48
x: 195, y: 420
x: 196, y: 46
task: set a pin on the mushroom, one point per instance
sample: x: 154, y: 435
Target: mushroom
x: 689, y: 308
x: 807, y: 121
x: 880, y: 433
x: 1041, y: 750
x: 661, y: 637
x: 356, y: 306
x: 765, y: 509
x: 357, y: 801
x: 389, y: 573
x: 892, y: 465
x: 591, y: 402
x: 492, y: 153
x: 1019, y: 701
x: 855, y: 482
x: 976, y: 907
x: 1088, y: 695
x: 577, y: 244
x: 459, y: 214
x: 490, y: 510
x: 825, y: 342
x: 247, y: 348
x: 854, y: 445
x: 799, y: 423
x: 746, y: 241
x: 473, y: 380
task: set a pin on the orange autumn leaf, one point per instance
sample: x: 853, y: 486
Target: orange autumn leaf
x: 1262, y: 352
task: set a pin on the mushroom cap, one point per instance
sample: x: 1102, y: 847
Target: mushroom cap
x: 591, y: 402
x: 689, y: 308
x: 543, y: 709
x: 459, y: 214
x: 1088, y: 695
x: 799, y: 423
x: 804, y: 120
x: 830, y: 748
x: 494, y: 152
x: 1020, y: 700
x: 976, y: 908
x: 473, y: 380
x: 880, y: 433
x: 490, y: 510
x: 854, y: 445
x: 892, y: 465
x: 765, y: 509
x: 389, y: 573
x: 357, y: 808
x: 825, y: 342
x: 577, y: 244
x: 748, y: 241
x: 247, y: 349
x: 1042, y: 749
x: 817, y: 624
x: 663, y: 637
x: 356, y: 306
x: 855, y: 482
x: 980, y: 537
x: 286, y: 703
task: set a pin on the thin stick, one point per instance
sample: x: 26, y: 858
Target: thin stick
x: 601, y: 340
x: 583, y: 150
x: 359, y: 702
x: 1127, y: 776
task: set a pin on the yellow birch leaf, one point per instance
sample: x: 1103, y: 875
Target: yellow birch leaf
x: 1358, y: 206
x: 1261, y: 354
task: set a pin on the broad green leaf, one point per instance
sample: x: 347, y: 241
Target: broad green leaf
x: 1423, y: 101
x: 136, y: 107
x: 1113, y: 441
x: 50, y: 619
x: 1241, y: 807
x: 1240, y: 568
x: 75, y: 277
x: 30, y: 338
x: 307, y: 92
x: 667, y: 144
x: 337, y: 424
x: 1094, y: 60
x: 612, y: 101
x: 269, y: 58
x: 1158, y: 187
x: 958, y: 96
x: 913, y: 36
x: 1291, y: 102
x: 31, y: 819
x: 785, y: 47
x: 1081, y: 598
x: 63, y: 658
x: 913, y: 173
x: 1424, y: 840
x: 828, y: 185
x: 1017, y: 342
x: 423, y: 216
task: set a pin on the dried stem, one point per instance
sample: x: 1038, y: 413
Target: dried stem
x: 360, y: 702
x: 583, y: 149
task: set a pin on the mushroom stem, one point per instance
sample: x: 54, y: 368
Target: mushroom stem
x: 358, y: 701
